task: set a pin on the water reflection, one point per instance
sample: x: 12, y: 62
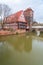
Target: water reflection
x: 5, y: 53
x: 24, y: 44
x: 13, y: 50
x: 9, y: 47
x: 28, y: 44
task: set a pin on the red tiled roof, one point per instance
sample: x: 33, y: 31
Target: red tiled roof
x: 16, y: 17
x: 28, y: 9
x: 21, y: 17
x: 18, y: 13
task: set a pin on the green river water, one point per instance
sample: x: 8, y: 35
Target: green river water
x: 21, y: 50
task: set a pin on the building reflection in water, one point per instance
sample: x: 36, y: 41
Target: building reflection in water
x: 8, y: 49
x: 24, y: 44
x: 20, y: 43
x: 28, y: 44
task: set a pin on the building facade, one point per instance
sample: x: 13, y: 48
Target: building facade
x: 15, y: 22
x: 19, y: 21
x: 28, y: 13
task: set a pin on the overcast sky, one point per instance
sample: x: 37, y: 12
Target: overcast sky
x: 36, y: 5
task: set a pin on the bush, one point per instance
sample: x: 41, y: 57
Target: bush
x: 33, y: 30
x: 16, y: 33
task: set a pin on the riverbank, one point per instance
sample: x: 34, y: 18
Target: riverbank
x: 5, y: 32
x: 2, y: 32
x: 20, y: 32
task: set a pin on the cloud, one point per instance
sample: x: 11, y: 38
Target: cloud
x: 39, y: 13
x: 36, y: 5
x: 11, y: 1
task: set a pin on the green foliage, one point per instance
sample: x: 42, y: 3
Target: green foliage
x: 16, y: 33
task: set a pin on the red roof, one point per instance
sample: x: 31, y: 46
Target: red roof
x: 19, y: 16
x: 28, y: 9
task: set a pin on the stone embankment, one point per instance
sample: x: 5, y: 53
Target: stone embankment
x: 5, y: 32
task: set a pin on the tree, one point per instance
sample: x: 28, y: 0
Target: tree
x: 4, y: 12
x: 4, y: 9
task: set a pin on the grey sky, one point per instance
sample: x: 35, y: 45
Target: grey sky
x: 36, y: 5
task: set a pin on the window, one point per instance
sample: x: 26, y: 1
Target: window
x: 22, y: 23
x: 22, y: 27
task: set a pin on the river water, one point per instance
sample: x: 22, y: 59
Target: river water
x: 21, y: 50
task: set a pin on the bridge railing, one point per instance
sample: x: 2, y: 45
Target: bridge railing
x: 36, y: 27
